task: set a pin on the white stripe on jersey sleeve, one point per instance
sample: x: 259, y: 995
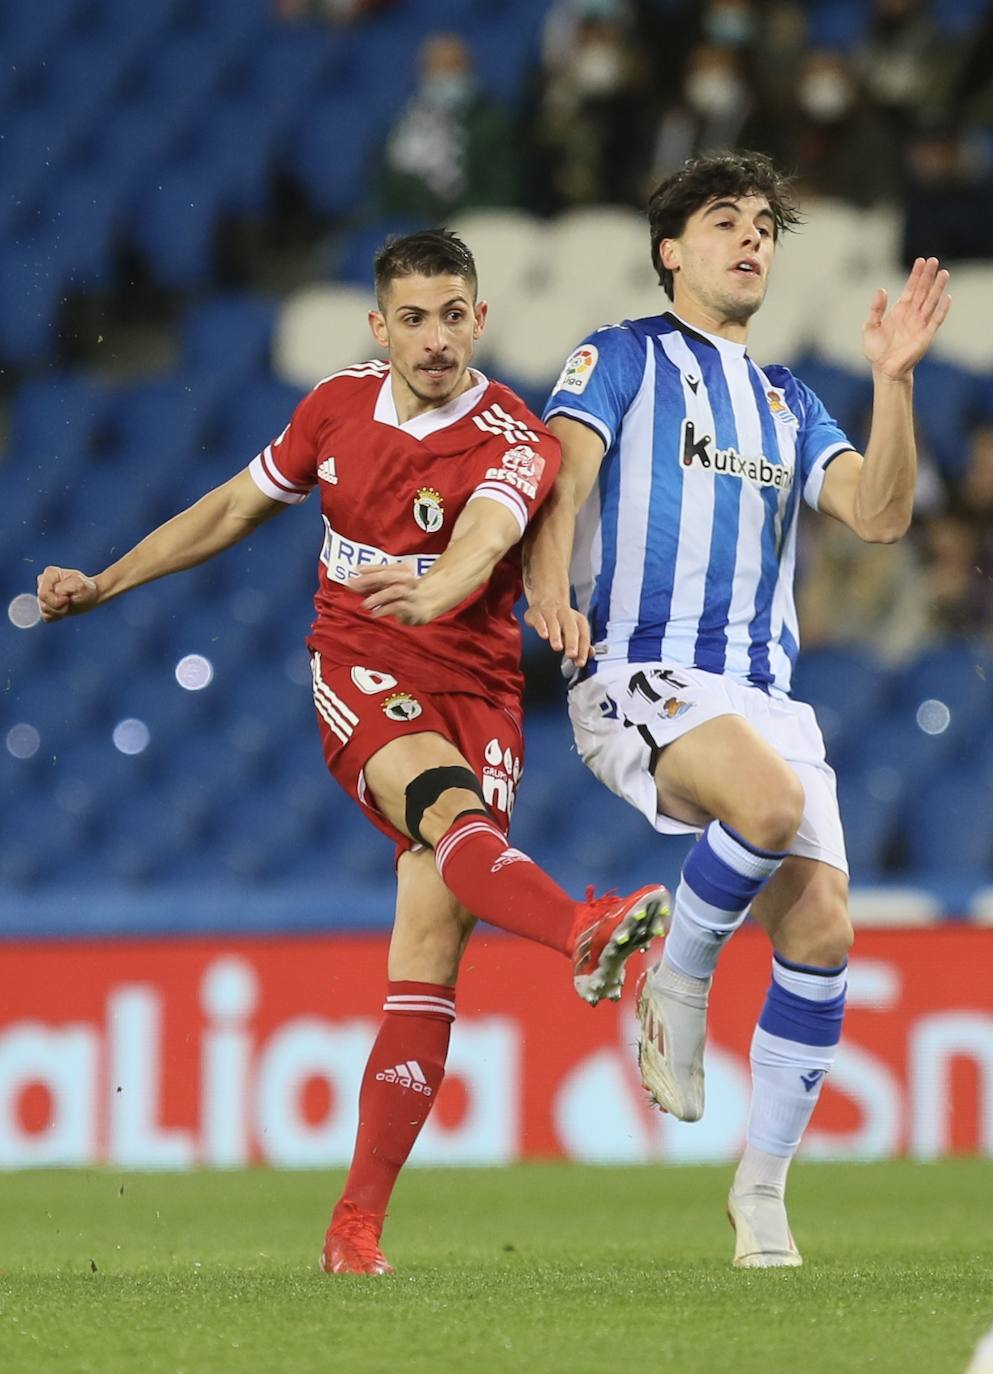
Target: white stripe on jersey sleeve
x: 271, y: 482
x: 504, y: 496
x: 813, y: 484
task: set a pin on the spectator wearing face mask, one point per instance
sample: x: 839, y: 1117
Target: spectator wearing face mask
x: 713, y: 107
x: 583, y: 125
x: 903, y: 63
x: 838, y: 144
x: 949, y: 194
x: 451, y: 149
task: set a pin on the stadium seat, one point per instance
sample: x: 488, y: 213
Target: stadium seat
x: 959, y: 675
x: 847, y: 395
x: 319, y: 330
x: 176, y: 216
x: 56, y: 418
x: 870, y: 822
x: 229, y: 335
x: 950, y: 826
x: 948, y: 401
x: 964, y: 338
x: 846, y: 687
x: 253, y: 415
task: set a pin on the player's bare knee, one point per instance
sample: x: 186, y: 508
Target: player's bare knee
x: 820, y: 933
x: 775, y: 813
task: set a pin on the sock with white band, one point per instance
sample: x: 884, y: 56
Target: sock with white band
x: 793, y: 1048
x: 721, y: 877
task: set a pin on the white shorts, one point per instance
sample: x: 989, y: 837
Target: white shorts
x: 626, y: 712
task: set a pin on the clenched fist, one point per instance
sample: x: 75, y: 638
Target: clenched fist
x: 65, y: 591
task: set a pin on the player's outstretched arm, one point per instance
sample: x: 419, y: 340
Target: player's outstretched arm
x: 215, y: 522
x: 548, y: 544
x: 874, y: 494
x: 481, y: 536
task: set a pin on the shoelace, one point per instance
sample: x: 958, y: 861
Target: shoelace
x: 607, y: 899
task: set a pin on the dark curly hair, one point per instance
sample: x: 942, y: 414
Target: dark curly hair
x: 717, y: 176
x: 428, y: 253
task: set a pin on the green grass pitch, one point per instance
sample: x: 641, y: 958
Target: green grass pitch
x: 547, y: 1267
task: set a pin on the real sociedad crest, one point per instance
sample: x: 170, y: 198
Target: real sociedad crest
x: 429, y: 510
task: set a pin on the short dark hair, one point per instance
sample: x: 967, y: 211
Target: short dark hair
x: 428, y: 253
x: 716, y: 176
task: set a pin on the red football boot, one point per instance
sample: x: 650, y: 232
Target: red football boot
x: 351, y: 1244
x: 607, y: 932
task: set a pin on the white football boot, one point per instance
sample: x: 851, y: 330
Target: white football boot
x: 672, y: 1009
x: 762, y: 1236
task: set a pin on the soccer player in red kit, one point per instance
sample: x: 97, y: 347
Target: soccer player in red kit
x: 427, y: 475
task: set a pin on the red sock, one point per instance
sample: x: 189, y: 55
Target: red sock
x: 401, y: 1081
x: 503, y: 886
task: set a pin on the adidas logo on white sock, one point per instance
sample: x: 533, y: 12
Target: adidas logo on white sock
x: 409, y: 1075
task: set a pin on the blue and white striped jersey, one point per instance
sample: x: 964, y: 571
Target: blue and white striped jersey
x: 685, y: 549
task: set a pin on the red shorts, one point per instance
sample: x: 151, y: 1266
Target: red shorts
x: 359, y: 710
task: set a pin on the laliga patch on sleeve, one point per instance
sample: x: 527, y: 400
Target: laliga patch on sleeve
x: 578, y: 369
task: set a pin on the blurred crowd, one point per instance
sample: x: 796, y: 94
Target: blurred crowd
x: 625, y: 91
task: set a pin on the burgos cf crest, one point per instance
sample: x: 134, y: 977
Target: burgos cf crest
x: 429, y: 510
x: 401, y: 706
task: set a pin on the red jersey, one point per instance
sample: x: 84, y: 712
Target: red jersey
x: 392, y: 491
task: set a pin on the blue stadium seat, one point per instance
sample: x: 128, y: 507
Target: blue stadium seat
x: 32, y: 151
x: 846, y: 687
x: 254, y: 414
x: 896, y: 742
x: 32, y: 295
x: 84, y: 78
x: 948, y: 401
x: 83, y: 217
x: 847, y: 396
x: 870, y: 823
x: 836, y: 23
x: 959, y: 674
x: 229, y: 335
x: 56, y: 418
x: 950, y: 826
x: 330, y: 151
x: 176, y: 216
x: 30, y: 32
x: 161, y: 422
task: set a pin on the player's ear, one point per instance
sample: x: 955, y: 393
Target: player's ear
x: 669, y: 254
x: 480, y: 311
x: 378, y: 326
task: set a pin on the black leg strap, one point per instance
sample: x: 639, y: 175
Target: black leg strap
x: 428, y: 786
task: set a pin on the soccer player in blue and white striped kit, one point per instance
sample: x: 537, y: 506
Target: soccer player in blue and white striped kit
x: 684, y: 463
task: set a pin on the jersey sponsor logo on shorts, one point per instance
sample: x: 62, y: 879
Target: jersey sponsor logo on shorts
x: 513, y: 479
x: 342, y: 557
x: 501, y: 774
x: 495, y: 420
x: 674, y: 708
x: 327, y: 471
x: 402, y: 706
x: 429, y: 510
x: 578, y: 369
x: 701, y: 454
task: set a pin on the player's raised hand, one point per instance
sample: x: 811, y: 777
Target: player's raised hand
x: 566, y: 629
x: 895, y: 342
x: 394, y: 590
x: 65, y: 591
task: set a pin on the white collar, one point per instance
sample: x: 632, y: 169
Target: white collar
x: 429, y: 421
